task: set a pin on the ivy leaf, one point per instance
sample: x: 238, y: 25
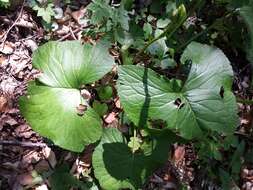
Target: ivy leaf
x: 54, y: 106
x: 204, y: 102
x: 45, y: 12
x: 101, y: 11
x: 116, y: 167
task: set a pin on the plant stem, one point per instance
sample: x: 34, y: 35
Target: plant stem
x: 204, y: 31
x: 244, y: 101
x: 135, y: 134
x: 172, y: 27
x: 194, y: 37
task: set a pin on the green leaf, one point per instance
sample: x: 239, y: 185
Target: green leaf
x: 147, y: 28
x: 205, y: 102
x: 70, y: 64
x: 247, y: 14
x: 45, y: 12
x: 105, y: 92
x: 63, y: 180
x: 53, y: 113
x: 101, y: 11
x: 134, y: 144
x: 101, y: 109
x: 55, y: 108
x: 236, y: 161
x: 116, y: 167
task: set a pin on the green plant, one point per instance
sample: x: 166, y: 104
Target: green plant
x: 44, y: 9
x: 4, y: 3
x: 165, y: 99
x: 66, y: 67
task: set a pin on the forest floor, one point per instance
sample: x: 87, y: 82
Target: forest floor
x: 24, y: 154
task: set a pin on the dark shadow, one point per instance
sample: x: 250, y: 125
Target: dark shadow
x: 144, y: 110
x: 121, y: 164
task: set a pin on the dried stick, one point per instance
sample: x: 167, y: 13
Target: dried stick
x: 23, y: 144
x: 14, y: 23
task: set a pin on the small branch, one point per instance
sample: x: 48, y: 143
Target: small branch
x: 23, y: 144
x: 72, y: 32
x: 14, y: 24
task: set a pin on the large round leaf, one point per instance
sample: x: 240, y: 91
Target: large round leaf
x: 205, y: 102
x: 53, y: 113
x: 70, y: 64
x: 54, y: 106
x: 116, y: 167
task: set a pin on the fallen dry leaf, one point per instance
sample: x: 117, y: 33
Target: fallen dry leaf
x: 110, y: 117
x: 50, y: 156
x: 7, y: 48
x: 79, y: 16
x: 117, y: 103
x: 25, y: 179
x: 179, y: 154
x: 24, y: 131
x: 3, y: 104
x: 42, y: 187
x: 42, y: 166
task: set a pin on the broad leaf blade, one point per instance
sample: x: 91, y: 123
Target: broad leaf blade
x: 116, y: 167
x: 205, y: 101
x: 53, y: 113
x: 208, y: 88
x: 70, y: 64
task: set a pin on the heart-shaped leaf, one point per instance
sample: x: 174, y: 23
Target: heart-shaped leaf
x: 116, y: 167
x: 55, y: 107
x: 205, y: 102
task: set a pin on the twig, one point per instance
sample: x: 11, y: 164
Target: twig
x: 23, y: 144
x: 14, y: 23
x: 73, y: 32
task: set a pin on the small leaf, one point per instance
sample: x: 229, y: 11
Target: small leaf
x: 45, y: 12
x: 134, y: 144
x: 147, y: 28
x: 101, y: 11
x: 105, y: 93
x: 162, y: 23
x: 101, y: 109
